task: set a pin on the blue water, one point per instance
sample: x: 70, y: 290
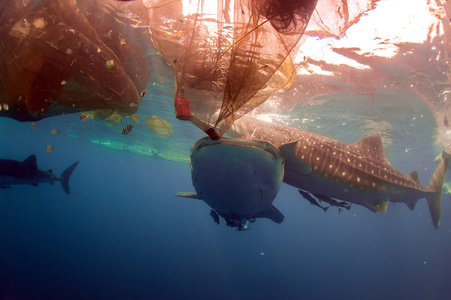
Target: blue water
x: 122, y: 234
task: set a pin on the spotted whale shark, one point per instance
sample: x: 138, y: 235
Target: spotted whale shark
x: 27, y: 172
x: 358, y: 173
x: 238, y: 179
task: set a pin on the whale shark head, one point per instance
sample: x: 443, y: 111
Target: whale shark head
x: 238, y: 178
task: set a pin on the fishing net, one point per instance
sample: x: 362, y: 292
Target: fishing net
x: 62, y: 56
x: 332, y: 18
x: 228, y: 56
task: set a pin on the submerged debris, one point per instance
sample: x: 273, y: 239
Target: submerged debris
x: 159, y: 126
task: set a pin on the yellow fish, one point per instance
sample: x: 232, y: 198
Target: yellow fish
x: 49, y: 148
x: 32, y: 126
x: 55, y: 131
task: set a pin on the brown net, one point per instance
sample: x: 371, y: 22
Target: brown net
x: 62, y: 56
x: 332, y: 18
x: 228, y: 56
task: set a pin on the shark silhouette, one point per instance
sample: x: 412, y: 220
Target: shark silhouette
x: 359, y: 173
x: 27, y: 172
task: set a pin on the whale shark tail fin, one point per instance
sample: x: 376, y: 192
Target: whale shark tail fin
x: 436, y: 183
x: 66, y: 176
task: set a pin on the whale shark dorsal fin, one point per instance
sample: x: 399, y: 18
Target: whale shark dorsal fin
x: 187, y: 195
x: 31, y: 161
x: 271, y: 213
x: 414, y: 176
x: 372, y: 146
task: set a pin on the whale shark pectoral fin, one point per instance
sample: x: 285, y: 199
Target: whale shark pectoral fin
x: 187, y: 195
x: 293, y: 154
x: 271, y: 213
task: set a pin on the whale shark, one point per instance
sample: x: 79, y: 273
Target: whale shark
x: 27, y: 172
x: 238, y: 179
x: 358, y: 173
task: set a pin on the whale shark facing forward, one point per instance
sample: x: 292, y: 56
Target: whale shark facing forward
x: 238, y: 179
x: 359, y: 173
x: 27, y: 172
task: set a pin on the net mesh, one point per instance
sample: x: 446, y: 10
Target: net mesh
x: 228, y: 56
x: 62, y: 56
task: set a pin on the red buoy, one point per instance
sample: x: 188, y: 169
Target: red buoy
x: 182, y: 108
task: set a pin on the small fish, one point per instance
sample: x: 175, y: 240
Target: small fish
x: 54, y: 131
x: 33, y: 125
x: 49, y: 148
x: 144, y: 93
x: 83, y: 116
x: 127, y: 129
x: 333, y: 202
x: 312, y: 200
x: 445, y: 121
x: 5, y: 106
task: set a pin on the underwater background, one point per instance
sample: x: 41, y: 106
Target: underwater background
x: 122, y: 234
